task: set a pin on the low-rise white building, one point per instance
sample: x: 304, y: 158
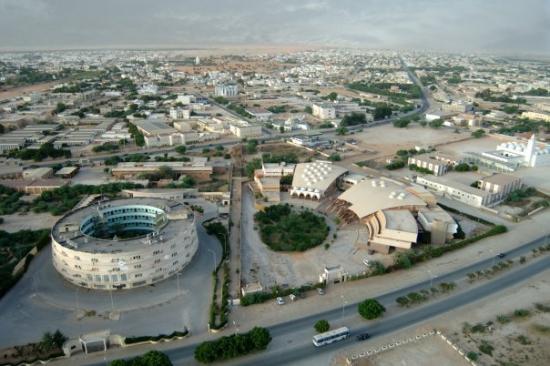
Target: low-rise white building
x: 324, y: 111
x: 458, y: 191
x: 243, y: 129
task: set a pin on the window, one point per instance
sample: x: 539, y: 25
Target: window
x: 114, y: 278
x: 123, y: 277
x: 136, y: 257
x: 106, y: 278
x: 137, y: 266
x: 138, y: 275
x: 97, y: 278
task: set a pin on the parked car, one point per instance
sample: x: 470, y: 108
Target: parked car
x: 501, y: 255
x: 363, y: 336
x: 320, y: 291
x: 280, y: 301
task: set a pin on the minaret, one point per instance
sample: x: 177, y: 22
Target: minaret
x: 530, y: 152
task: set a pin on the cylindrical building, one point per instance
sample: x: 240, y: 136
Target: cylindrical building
x: 122, y: 244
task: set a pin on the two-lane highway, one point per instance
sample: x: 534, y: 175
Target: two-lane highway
x: 303, y: 349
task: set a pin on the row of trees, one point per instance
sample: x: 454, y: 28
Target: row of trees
x: 45, y: 151
x: 233, y: 346
x: 151, y: 358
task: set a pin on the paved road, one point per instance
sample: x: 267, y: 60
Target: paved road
x: 271, y: 136
x: 282, y: 352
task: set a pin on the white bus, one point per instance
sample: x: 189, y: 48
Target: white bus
x: 331, y: 336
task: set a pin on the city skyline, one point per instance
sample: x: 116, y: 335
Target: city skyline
x: 491, y: 26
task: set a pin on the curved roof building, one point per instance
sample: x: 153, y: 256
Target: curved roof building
x: 313, y: 180
x: 122, y: 244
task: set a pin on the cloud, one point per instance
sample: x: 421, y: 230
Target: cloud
x: 466, y: 25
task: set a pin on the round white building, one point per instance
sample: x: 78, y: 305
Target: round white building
x: 125, y: 243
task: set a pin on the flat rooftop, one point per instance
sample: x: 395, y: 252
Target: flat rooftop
x: 67, y: 231
x: 400, y: 220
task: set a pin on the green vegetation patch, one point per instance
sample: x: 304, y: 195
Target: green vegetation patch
x: 233, y: 346
x: 284, y: 229
x: 151, y: 358
x: 63, y: 199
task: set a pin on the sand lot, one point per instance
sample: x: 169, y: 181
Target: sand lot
x: 386, y: 139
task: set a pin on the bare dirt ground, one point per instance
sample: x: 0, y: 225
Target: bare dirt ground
x: 430, y: 351
x: 516, y: 340
x: 282, y: 148
x: 22, y: 90
x: 29, y: 221
x: 270, y: 268
x: 386, y: 139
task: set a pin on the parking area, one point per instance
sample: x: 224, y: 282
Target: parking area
x: 42, y: 301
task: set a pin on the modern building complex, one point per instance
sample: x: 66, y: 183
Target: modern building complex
x: 314, y: 180
x: 386, y: 209
x: 511, y: 155
x: 123, y: 244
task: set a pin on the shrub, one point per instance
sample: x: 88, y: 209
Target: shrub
x: 486, y: 348
x: 522, y: 313
x: 503, y: 319
x: 139, y: 339
x: 151, y: 358
x: 322, y: 326
x: 472, y: 356
x: 402, y: 301
x: 371, y: 309
x: 232, y: 346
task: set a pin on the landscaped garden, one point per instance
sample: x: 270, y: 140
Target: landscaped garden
x: 283, y: 228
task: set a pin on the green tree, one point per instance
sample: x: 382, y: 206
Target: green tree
x: 436, y: 123
x: 478, y: 133
x: 401, y: 123
x: 341, y: 131
x: 181, y: 149
x: 308, y: 109
x: 59, y: 108
x: 251, y: 146
x: 382, y: 111
x: 334, y: 157
x: 322, y: 326
x: 260, y: 337
x: 371, y: 309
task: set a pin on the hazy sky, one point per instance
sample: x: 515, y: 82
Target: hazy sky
x: 518, y: 26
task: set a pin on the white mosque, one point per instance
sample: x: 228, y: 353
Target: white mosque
x: 530, y: 154
x: 511, y: 155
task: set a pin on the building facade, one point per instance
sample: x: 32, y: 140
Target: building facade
x: 92, y: 246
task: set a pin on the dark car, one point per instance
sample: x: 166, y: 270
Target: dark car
x: 363, y: 336
x: 501, y: 255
